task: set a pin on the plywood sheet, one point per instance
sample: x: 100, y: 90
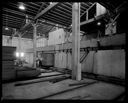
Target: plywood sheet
x: 110, y: 63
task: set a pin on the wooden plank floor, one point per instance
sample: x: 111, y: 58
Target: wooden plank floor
x: 98, y: 90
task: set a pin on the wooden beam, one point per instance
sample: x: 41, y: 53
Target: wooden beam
x: 45, y: 10
x: 34, y: 43
x: 26, y: 25
x: 114, y: 40
x: 76, y: 70
x: 19, y: 37
x: 91, y: 20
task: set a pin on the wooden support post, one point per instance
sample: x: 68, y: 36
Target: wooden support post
x: 86, y: 15
x: 76, y: 70
x: 19, y: 34
x: 34, y: 43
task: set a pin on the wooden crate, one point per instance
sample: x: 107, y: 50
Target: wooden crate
x: 48, y: 59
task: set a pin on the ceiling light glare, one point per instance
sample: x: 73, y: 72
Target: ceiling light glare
x: 6, y: 28
x: 51, y: 3
x: 99, y: 23
x: 21, y: 7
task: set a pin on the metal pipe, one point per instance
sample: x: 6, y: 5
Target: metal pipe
x: 12, y: 26
x: 40, y: 7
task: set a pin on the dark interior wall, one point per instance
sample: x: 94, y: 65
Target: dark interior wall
x: 122, y: 22
x: 91, y: 30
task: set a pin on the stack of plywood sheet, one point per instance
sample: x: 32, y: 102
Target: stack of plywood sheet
x: 41, y: 42
x: 110, y: 63
x: 56, y: 37
x: 62, y: 60
x: 8, y: 68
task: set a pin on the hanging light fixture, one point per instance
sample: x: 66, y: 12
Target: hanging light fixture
x: 6, y: 28
x: 99, y: 23
x: 21, y: 6
x: 51, y: 3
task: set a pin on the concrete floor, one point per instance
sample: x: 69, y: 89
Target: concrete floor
x: 96, y: 91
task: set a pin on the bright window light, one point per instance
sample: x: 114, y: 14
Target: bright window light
x: 17, y: 54
x: 22, y: 54
x: 21, y: 7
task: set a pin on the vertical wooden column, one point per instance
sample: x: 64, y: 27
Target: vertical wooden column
x: 86, y: 15
x: 76, y: 69
x: 19, y: 47
x: 34, y: 43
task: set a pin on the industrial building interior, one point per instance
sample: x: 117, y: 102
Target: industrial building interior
x: 64, y: 50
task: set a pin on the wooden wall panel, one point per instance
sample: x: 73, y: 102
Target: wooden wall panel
x: 110, y: 63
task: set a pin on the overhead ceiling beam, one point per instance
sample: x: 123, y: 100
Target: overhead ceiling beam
x: 12, y: 26
x: 55, y: 20
x: 11, y: 21
x: 51, y: 24
x: 91, y: 20
x: 45, y: 10
x: 9, y: 16
x: 61, y: 18
x: 41, y: 7
x: 16, y: 12
x: 14, y: 19
x: 34, y: 4
x: 69, y: 11
x: 60, y: 14
x: 62, y: 11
